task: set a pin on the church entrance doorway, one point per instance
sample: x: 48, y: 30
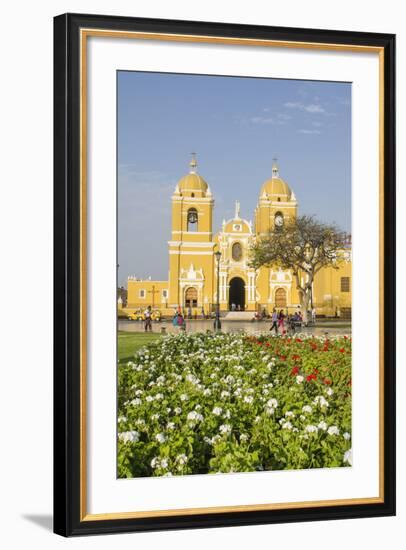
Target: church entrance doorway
x: 236, y: 296
x: 280, y: 298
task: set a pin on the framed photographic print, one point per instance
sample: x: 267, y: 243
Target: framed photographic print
x: 224, y: 274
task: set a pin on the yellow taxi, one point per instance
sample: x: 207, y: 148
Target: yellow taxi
x: 139, y: 315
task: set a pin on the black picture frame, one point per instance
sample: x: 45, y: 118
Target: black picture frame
x: 67, y: 312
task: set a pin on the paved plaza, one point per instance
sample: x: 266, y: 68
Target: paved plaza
x: 249, y: 327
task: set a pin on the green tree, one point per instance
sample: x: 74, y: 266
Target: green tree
x: 303, y: 245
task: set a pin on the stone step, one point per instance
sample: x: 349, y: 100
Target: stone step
x: 239, y: 316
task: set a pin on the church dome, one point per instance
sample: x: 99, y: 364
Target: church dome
x: 192, y: 181
x: 276, y: 186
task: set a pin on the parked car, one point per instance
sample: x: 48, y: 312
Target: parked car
x: 139, y: 315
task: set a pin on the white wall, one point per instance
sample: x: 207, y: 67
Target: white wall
x: 26, y: 244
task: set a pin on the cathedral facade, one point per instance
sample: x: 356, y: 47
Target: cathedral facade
x: 193, y: 268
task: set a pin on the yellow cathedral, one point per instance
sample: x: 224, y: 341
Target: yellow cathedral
x: 192, y: 282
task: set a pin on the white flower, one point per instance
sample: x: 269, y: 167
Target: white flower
x: 287, y: 425
x: 164, y: 462
x: 217, y: 411
x: 181, y: 459
x: 248, y: 399
x: 149, y: 398
x: 329, y: 391
x: 155, y: 416
x: 272, y: 403
x: 122, y: 419
x: 193, y: 415
x: 333, y: 430
x: 206, y: 392
x: 159, y: 396
x: 347, y: 458
x: 289, y: 414
x: 192, y: 379
x: 322, y: 425
x: 320, y: 400
x: 225, y: 429
x: 243, y: 438
x: 184, y: 397
x: 346, y: 436
x: 307, y: 409
x: 225, y: 393
x: 177, y: 410
x: 161, y: 438
x: 299, y: 379
x: 155, y: 462
x: 128, y: 437
x: 170, y: 426
x: 269, y: 410
x: 311, y: 429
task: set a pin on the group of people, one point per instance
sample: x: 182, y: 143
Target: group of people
x: 236, y: 307
x: 178, y: 320
x: 288, y: 322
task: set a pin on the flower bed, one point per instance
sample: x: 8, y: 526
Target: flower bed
x: 204, y: 403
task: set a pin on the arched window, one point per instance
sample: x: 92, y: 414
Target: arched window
x: 192, y: 219
x: 191, y: 297
x: 236, y: 252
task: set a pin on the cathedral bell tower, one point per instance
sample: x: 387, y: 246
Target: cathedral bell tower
x: 191, y: 245
x: 276, y: 204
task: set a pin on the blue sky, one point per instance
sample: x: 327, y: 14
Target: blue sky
x: 236, y: 126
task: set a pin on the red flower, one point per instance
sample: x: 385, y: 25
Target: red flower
x: 294, y: 371
x: 295, y: 357
x: 282, y: 357
x: 341, y: 350
x: 299, y: 340
x: 327, y: 381
x: 311, y: 377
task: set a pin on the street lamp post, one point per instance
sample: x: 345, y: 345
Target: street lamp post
x: 217, y: 323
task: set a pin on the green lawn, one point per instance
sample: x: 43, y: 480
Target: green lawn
x: 130, y: 342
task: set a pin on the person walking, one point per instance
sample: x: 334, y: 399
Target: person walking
x: 175, y: 319
x: 281, y: 324
x: 274, y: 321
x: 148, y: 319
x: 181, y: 321
x: 313, y: 315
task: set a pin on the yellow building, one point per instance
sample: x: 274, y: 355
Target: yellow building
x: 192, y: 280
